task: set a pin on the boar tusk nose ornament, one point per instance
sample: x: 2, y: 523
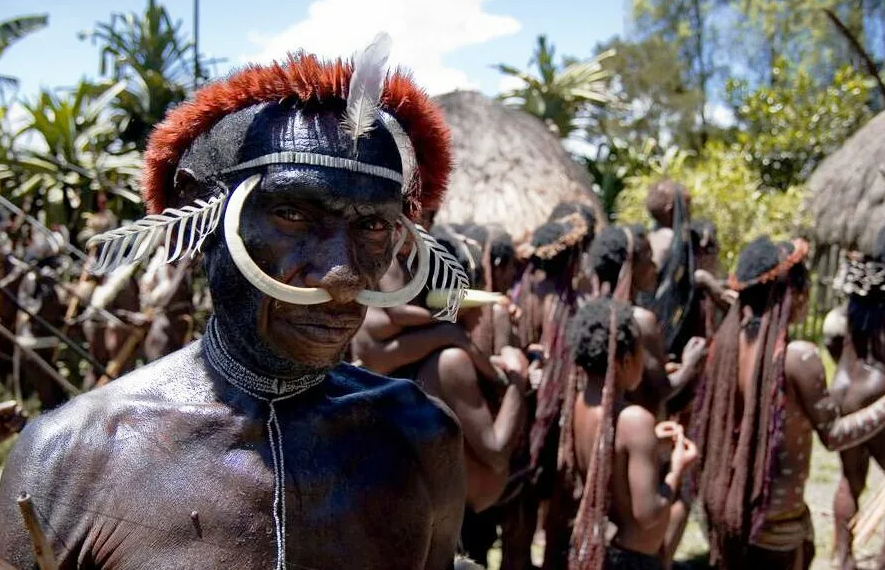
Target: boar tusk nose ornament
x: 313, y: 295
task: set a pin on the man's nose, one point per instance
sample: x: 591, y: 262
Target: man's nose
x: 333, y: 269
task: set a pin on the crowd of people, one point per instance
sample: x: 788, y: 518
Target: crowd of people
x: 591, y: 383
x: 638, y: 380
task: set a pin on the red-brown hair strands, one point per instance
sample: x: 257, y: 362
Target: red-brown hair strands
x: 311, y: 81
x: 588, y: 537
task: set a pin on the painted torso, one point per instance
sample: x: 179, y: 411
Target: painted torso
x: 118, y: 474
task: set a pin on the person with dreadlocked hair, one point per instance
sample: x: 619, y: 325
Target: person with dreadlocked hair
x: 760, y: 399
x: 547, y: 297
x: 859, y: 379
x: 622, y: 265
x: 617, y: 447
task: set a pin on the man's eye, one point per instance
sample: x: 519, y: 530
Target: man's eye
x: 290, y: 215
x: 375, y: 225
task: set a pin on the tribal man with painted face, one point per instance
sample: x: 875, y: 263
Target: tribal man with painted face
x: 255, y: 447
x: 760, y: 400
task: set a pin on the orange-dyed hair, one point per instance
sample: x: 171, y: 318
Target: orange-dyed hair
x: 310, y: 80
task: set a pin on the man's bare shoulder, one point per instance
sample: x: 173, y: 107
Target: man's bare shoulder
x: 635, y: 427
x: 802, y: 361
x: 647, y: 320
x: 399, y: 401
x: 428, y: 426
x: 88, y: 428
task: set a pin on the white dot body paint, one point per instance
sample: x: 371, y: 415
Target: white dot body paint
x: 310, y: 295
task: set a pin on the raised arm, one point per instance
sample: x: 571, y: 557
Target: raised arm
x: 837, y: 432
x: 649, y: 501
x: 722, y: 296
x: 665, y: 385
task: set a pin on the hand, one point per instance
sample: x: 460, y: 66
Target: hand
x: 729, y: 296
x: 703, y: 278
x: 12, y: 418
x: 694, y: 356
x: 685, y: 452
x: 668, y: 430
x: 514, y: 363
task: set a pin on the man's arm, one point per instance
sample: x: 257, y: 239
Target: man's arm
x: 636, y: 429
x: 722, y: 297
x: 665, y: 386
x: 837, y: 432
x: 491, y: 439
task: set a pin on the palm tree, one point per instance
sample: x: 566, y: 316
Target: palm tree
x: 13, y: 30
x: 151, y: 53
x: 558, y: 94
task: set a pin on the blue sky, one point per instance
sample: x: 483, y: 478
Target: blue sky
x: 449, y: 44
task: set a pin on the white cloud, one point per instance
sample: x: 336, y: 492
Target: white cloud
x: 423, y: 31
x: 509, y: 83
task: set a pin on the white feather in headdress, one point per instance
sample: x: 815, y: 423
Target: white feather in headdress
x: 366, y: 85
x: 189, y: 226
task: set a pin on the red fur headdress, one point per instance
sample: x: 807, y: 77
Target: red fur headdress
x: 310, y: 80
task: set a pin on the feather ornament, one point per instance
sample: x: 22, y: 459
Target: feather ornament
x: 366, y: 86
x: 188, y: 227
x: 447, y: 276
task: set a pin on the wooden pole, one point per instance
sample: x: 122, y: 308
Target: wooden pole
x: 36, y: 359
x: 867, y: 522
x: 115, y: 365
x: 42, y: 549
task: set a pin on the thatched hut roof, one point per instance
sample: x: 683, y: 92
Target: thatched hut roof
x: 509, y: 168
x: 847, y: 190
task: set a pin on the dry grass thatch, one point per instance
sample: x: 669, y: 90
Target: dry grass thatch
x: 847, y: 190
x: 509, y: 168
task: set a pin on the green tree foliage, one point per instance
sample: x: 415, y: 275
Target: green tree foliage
x: 13, y: 30
x: 72, y: 152
x: 789, y: 127
x: 558, y: 94
x: 689, y: 26
x: 655, y: 98
x: 724, y: 190
x: 154, y: 57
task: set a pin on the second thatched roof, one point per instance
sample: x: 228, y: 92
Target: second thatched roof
x: 847, y: 190
x: 509, y: 168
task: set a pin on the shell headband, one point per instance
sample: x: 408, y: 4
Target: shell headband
x: 183, y: 230
x: 859, y: 277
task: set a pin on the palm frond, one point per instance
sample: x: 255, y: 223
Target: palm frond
x: 15, y: 29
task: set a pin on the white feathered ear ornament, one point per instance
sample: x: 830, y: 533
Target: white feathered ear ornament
x: 188, y: 227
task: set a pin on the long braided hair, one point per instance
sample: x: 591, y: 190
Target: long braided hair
x: 738, y: 435
x: 612, y: 254
x: 602, y: 333
x: 558, y: 250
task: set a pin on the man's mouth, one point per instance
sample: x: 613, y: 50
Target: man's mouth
x: 322, y: 331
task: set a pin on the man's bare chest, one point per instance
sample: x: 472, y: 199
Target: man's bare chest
x: 210, y: 503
